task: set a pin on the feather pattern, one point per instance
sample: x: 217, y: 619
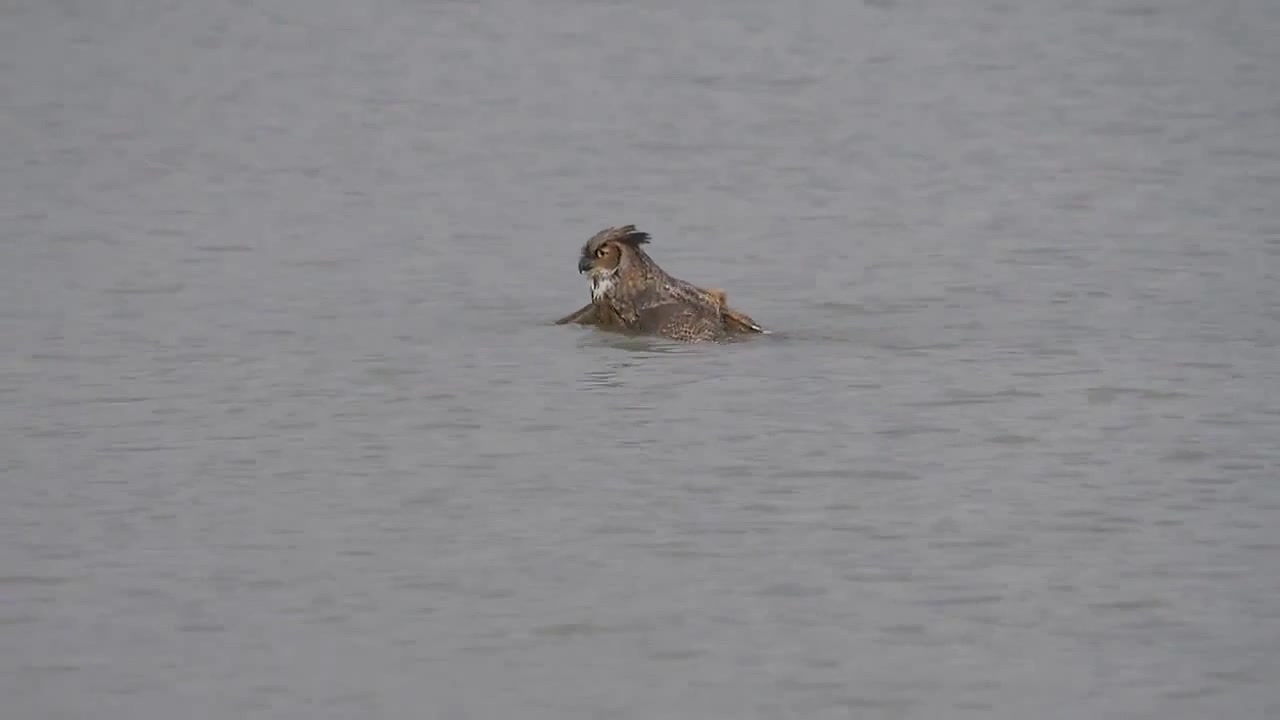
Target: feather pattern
x: 632, y: 293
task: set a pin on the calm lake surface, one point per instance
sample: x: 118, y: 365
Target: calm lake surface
x: 286, y: 432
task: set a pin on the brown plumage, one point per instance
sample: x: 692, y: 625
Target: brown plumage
x: 631, y: 294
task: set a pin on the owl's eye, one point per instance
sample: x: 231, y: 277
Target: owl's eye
x: 601, y: 252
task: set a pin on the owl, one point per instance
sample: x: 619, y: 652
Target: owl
x: 631, y: 294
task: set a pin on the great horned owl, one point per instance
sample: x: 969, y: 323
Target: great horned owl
x: 630, y: 293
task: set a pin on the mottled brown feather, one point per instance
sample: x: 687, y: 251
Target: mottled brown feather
x: 638, y: 296
x: 588, y: 315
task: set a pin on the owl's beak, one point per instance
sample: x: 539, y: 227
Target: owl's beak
x: 584, y: 264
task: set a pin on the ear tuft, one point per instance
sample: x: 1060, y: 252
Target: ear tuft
x: 625, y: 234
x: 628, y: 235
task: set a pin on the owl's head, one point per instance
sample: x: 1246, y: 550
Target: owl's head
x: 609, y: 253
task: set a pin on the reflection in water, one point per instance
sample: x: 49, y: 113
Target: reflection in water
x: 607, y: 376
x: 642, y: 344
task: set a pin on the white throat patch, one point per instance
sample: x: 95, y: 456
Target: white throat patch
x: 601, y: 285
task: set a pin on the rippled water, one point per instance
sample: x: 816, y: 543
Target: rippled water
x: 285, y: 430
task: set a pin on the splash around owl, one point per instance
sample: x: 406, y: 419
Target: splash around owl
x: 631, y: 294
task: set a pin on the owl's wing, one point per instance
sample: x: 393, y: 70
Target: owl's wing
x: 681, y: 321
x: 716, y: 302
x: 588, y: 315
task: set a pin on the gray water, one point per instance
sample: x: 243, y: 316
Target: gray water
x: 286, y: 432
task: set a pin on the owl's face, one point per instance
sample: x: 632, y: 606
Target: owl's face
x: 600, y: 261
x: 610, y: 253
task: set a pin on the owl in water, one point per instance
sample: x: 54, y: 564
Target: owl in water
x: 631, y: 294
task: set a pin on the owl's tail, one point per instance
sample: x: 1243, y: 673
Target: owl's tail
x: 736, y: 320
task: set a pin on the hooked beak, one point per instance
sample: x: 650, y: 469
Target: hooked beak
x: 584, y: 264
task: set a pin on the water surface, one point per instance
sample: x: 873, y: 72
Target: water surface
x: 286, y: 432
